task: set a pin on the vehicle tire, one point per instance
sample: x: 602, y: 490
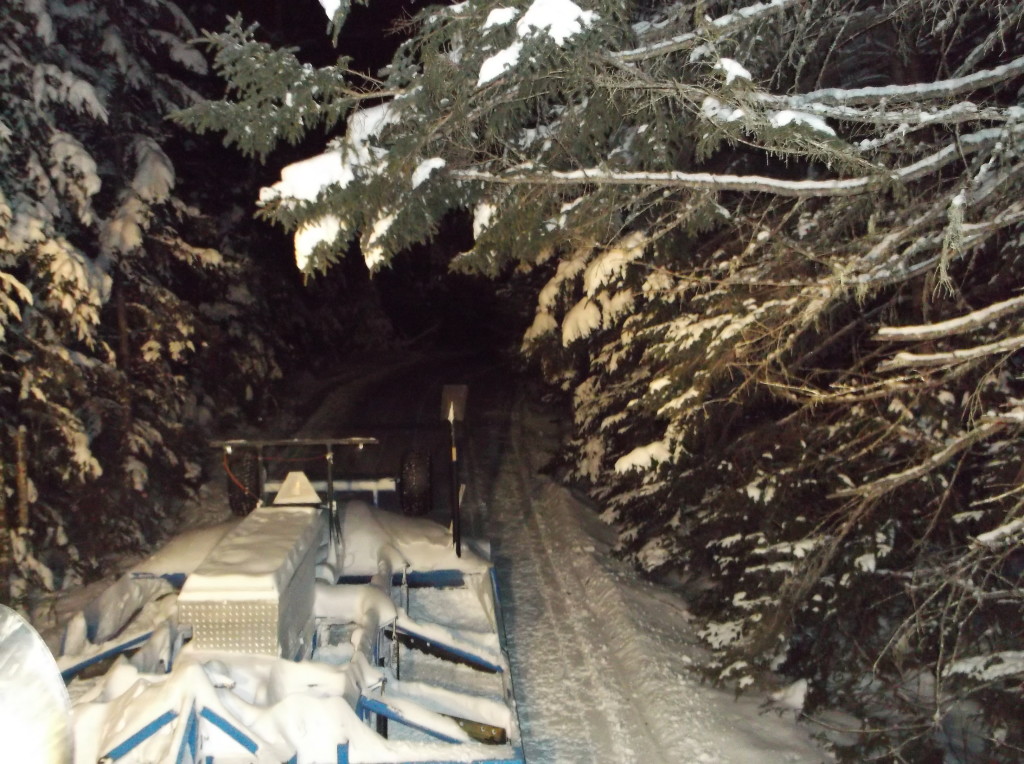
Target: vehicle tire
x: 414, y: 489
x: 244, y: 484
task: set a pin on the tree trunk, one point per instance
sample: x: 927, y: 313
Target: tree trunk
x: 21, y: 477
x: 123, y: 358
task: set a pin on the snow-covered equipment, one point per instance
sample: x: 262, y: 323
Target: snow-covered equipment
x: 254, y: 592
x: 320, y: 627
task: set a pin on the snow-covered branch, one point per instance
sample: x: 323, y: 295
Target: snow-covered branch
x: 890, y: 483
x: 920, y: 91
x: 974, y: 234
x: 749, y: 183
x: 905, y: 360
x: 966, y: 144
x: 964, y: 111
x: 723, y: 25
x: 959, y: 325
x: 696, y: 180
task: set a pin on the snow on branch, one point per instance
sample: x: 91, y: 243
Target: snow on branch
x: 1004, y: 535
x: 749, y: 183
x: 906, y: 360
x: 964, y: 111
x: 959, y: 325
x: 696, y: 180
x: 721, y: 26
x: 973, y: 235
x: 967, y: 144
x: 891, y: 482
x: 916, y: 92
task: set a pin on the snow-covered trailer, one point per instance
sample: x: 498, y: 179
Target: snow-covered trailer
x: 316, y: 629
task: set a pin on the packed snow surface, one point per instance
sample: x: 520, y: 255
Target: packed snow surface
x: 259, y: 556
x: 606, y: 666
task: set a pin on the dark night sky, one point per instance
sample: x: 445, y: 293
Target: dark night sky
x: 416, y: 292
x: 367, y: 36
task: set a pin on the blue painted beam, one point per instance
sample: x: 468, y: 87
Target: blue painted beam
x: 141, y: 736
x: 457, y: 653
x: 69, y: 673
x: 381, y: 708
x: 230, y: 729
x: 190, y: 739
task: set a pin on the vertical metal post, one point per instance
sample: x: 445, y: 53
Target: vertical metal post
x: 261, y: 476
x: 456, y: 510
x: 331, y: 508
x: 395, y: 657
x: 382, y: 721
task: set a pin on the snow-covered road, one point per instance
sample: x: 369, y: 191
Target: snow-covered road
x: 606, y: 666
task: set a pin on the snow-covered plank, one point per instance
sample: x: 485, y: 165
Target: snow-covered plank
x: 415, y: 716
x: 448, y: 641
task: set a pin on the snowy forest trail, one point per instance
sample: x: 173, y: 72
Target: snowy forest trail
x: 604, y: 664
x: 563, y: 655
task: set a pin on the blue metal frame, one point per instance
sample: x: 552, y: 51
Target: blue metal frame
x: 366, y: 707
x: 141, y: 736
x: 381, y: 708
x: 500, y: 619
x: 176, y: 580
x: 230, y: 729
x: 468, y: 657
x: 190, y: 738
x: 69, y: 673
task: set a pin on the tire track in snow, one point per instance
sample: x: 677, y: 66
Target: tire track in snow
x: 549, y: 714
x: 586, y: 692
x: 577, y: 701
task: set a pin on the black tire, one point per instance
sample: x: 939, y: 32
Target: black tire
x: 244, y: 482
x: 414, y: 488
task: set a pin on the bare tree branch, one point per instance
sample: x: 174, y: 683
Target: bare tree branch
x: 723, y: 25
x: 960, y: 325
x: 893, y: 481
x: 905, y: 360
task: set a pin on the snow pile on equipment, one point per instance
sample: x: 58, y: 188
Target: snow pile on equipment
x: 396, y: 641
x: 254, y: 592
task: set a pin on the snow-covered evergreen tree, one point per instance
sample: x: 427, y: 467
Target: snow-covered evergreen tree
x: 781, y: 245
x: 112, y: 293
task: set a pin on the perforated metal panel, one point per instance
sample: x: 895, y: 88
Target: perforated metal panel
x: 266, y: 614
x: 233, y: 625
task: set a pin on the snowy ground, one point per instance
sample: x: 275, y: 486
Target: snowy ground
x: 605, y: 665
